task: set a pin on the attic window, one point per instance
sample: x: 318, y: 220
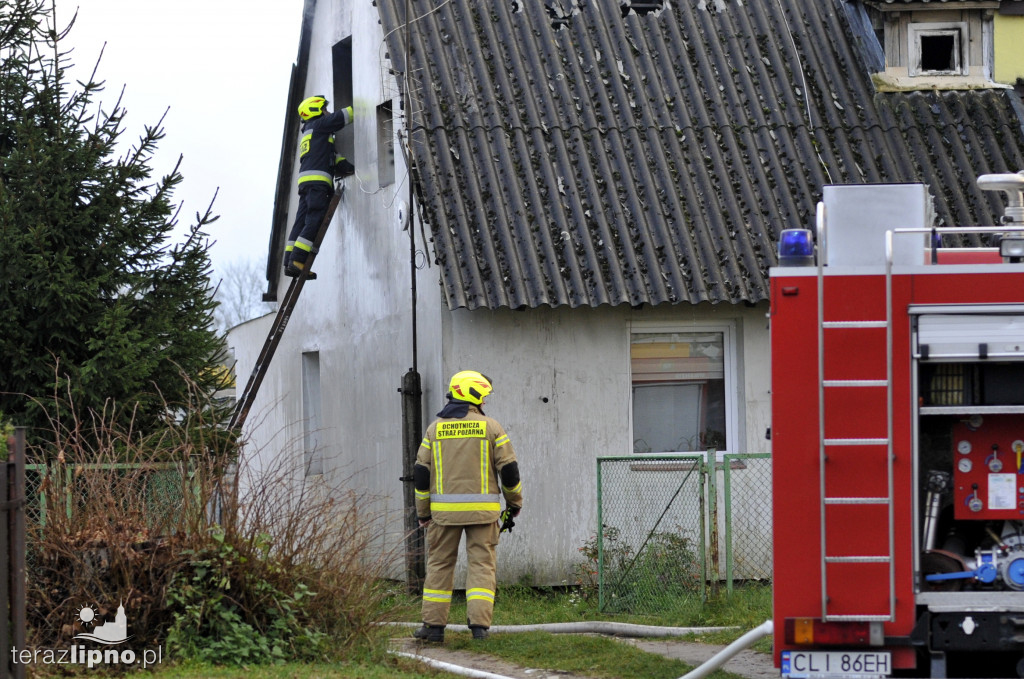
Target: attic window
x: 937, y: 49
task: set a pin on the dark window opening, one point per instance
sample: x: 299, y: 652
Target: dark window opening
x: 938, y: 53
x: 971, y: 384
x: 341, y: 57
x: 312, y: 414
x: 385, y: 145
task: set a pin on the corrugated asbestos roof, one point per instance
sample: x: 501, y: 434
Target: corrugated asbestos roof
x: 567, y: 154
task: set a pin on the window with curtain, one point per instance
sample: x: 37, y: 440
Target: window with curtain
x: 679, y: 391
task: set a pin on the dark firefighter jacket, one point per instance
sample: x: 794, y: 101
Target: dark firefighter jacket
x: 316, y: 147
x: 470, y: 465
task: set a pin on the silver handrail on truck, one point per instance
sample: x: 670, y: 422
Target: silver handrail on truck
x: 824, y: 443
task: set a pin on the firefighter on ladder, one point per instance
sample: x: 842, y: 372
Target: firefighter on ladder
x: 319, y: 164
x: 463, y: 468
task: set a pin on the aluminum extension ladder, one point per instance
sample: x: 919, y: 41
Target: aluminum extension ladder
x: 284, y: 314
x: 872, y: 441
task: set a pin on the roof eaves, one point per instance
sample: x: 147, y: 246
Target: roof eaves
x: 286, y: 163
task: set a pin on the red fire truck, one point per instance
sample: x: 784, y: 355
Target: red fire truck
x: 898, y: 439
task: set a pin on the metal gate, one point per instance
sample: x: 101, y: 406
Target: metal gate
x: 650, y: 510
x: 658, y: 547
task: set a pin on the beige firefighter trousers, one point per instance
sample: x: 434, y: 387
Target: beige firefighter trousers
x: 442, y: 552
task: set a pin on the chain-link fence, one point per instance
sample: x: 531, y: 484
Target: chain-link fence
x: 747, y: 500
x: 155, y: 494
x: 659, y: 550
x: 650, y: 555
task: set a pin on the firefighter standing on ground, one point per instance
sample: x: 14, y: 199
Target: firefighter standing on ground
x: 318, y: 165
x: 463, y: 468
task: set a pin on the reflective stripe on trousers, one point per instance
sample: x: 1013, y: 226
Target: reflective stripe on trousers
x: 480, y: 593
x: 481, y: 577
x: 442, y: 596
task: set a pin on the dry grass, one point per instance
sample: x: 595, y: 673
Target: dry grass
x: 210, y: 559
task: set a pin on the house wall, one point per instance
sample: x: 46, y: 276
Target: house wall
x: 357, y: 314
x: 1009, y: 58
x: 977, y: 45
x: 562, y: 391
x: 896, y: 49
x: 562, y: 376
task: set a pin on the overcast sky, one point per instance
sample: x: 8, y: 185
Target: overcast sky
x: 220, y: 68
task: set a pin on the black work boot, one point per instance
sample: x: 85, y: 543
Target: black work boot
x: 433, y: 633
x: 479, y: 631
x: 293, y: 271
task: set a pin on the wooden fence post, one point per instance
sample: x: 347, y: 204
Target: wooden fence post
x: 12, y: 563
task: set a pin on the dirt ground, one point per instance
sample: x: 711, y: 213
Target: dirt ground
x: 748, y: 664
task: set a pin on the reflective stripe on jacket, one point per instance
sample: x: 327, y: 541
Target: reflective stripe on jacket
x: 465, y: 457
x: 316, y: 147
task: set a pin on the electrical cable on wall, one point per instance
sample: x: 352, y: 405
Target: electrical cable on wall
x: 807, y: 98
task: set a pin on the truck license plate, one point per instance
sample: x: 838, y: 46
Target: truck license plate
x: 836, y: 664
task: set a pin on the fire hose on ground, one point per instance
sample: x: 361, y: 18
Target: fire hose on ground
x: 611, y: 628
x: 723, y: 656
x: 617, y: 629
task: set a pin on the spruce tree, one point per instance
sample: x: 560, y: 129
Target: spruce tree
x: 102, y: 309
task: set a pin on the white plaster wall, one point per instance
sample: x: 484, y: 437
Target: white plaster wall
x: 578, y: 359
x: 357, y: 314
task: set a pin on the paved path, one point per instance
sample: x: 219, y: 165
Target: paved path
x: 748, y: 664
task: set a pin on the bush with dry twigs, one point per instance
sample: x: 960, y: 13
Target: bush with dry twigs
x: 209, y: 560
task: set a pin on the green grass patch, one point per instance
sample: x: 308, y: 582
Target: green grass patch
x: 593, y: 656
x: 388, y: 668
x: 745, y: 608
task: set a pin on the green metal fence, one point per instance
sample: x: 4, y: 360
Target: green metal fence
x: 747, y: 499
x: 665, y: 521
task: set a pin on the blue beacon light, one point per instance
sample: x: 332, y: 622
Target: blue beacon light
x: 796, y: 247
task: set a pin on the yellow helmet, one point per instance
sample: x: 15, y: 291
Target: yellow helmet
x: 471, y: 386
x: 312, y: 107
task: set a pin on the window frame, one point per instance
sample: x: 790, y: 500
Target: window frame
x: 385, y: 144
x: 730, y: 367
x: 958, y: 29
x: 312, y: 415
x: 342, y: 82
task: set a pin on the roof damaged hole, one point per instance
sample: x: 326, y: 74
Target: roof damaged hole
x: 641, y: 7
x: 559, y: 16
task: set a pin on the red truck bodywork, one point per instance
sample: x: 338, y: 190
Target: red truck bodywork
x: 860, y: 590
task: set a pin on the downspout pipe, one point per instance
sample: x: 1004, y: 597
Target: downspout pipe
x: 726, y: 654
x: 412, y: 392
